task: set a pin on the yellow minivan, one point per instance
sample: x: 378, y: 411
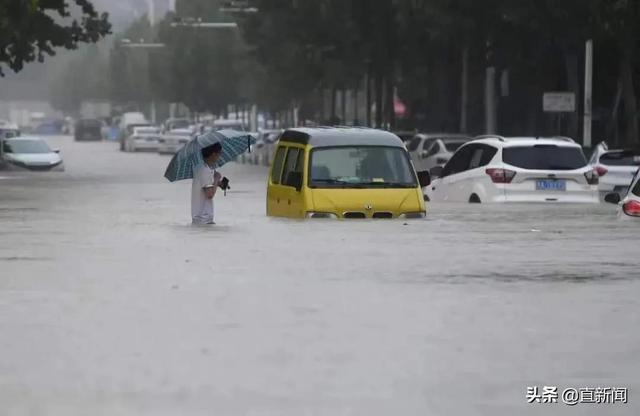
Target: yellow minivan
x: 344, y: 173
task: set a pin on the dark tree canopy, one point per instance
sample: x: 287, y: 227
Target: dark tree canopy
x: 32, y: 29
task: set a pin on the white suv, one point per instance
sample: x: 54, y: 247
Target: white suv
x: 616, y: 168
x: 493, y: 169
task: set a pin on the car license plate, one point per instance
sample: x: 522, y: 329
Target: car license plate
x: 551, y: 185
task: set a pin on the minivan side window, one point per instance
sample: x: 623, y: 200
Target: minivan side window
x: 459, y: 162
x: 291, y: 163
x: 277, y: 165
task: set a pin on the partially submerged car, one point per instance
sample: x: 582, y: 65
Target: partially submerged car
x: 30, y: 153
x: 630, y: 203
x: 495, y: 169
x: 616, y: 168
x: 354, y: 173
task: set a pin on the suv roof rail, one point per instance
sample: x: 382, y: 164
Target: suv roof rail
x: 489, y: 136
x: 563, y: 138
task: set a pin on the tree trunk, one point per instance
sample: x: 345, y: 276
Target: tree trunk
x: 344, y: 107
x: 630, y: 101
x: 390, y: 98
x: 464, y: 99
x: 368, y: 87
x: 613, y: 129
x: 379, y: 100
x: 334, y: 97
x: 356, y: 110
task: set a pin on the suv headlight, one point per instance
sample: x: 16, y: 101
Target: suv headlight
x: 412, y: 215
x: 326, y: 215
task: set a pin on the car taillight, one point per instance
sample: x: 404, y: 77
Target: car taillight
x: 501, y: 175
x: 601, y: 171
x: 632, y: 208
x: 593, y: 178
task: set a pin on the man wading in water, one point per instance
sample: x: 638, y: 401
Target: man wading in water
x: 205, y: 184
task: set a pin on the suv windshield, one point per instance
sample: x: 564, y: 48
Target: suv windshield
x: 544, y: 157
x: 26, y: 146
x: 621, y: 158
x: 361, y: 167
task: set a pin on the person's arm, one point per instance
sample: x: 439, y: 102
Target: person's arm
x: 210, y: 191
x: 210, y: 188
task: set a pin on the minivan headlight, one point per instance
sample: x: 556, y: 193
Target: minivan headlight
x: 412, y: 215
x: 327, y: 215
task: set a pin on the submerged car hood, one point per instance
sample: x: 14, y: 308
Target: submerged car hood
x: 34, y: 159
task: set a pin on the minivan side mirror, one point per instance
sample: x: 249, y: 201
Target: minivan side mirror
x: 436, y: 171
x: 424, y: 178
x: 294, y: 180
x: 613, y: 198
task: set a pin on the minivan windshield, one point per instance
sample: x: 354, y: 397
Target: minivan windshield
x: 544, y: 157
x: 361, y: 167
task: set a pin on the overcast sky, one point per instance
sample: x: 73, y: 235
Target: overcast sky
x: 123, y: 11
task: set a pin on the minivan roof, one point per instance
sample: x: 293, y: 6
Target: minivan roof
x: 341, y: 136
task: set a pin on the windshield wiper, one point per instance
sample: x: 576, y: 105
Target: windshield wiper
x: 337, y: 182
x: 390, y: 184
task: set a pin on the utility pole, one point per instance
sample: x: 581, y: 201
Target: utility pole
x: 588, y: 94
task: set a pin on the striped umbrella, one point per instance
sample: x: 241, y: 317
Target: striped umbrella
x: 234, y: 143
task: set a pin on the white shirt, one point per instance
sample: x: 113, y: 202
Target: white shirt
x: 201, y: 206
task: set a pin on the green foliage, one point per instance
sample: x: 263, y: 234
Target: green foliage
x: 29, y: 30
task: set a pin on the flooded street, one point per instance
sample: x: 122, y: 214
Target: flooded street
x: 112, y: 304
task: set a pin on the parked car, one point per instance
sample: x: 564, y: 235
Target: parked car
x: 143, y: 138
x: 88, y: 129
x: 493, y: 169
x: 430, y: 150
x: 630, y: 202
x: 8, y: 130
x: 176, y: 123
x: 405, y: 135
x: 30, y: 153
x: 262, y: 152
x: 173, y: 141
x: 232, y: 124
x: 353, y: 173
x: 616, y: 168
x: 128, y: 122
x: 51, y: 127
